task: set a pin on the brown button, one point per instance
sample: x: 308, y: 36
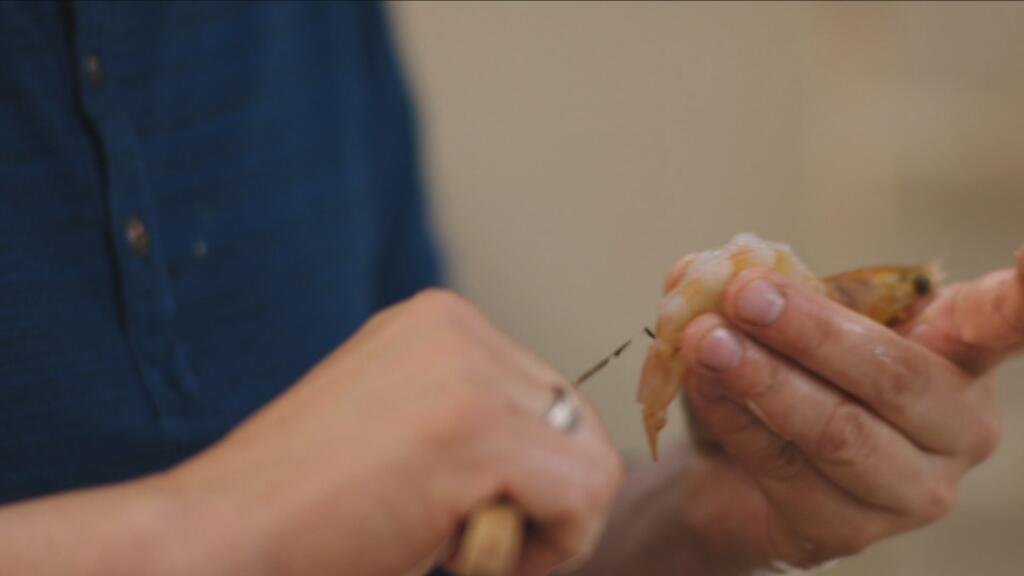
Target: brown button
x: 137, y: 235
x: 93, y: 69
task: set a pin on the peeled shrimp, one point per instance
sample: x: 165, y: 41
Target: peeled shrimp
x: 696, y: 286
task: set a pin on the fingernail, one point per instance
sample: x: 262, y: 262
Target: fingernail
x: 720, y: 350
x: 760, y: 303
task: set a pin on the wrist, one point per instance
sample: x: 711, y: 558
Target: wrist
x: 177, y: 529
x: 206, y: 531
x: 136, y: 527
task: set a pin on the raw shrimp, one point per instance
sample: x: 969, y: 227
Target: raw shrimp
x: 697, y: 283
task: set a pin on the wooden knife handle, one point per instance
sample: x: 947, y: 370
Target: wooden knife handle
x: 492, y: 542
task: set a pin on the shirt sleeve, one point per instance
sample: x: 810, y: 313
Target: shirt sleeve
x: 408, y: 259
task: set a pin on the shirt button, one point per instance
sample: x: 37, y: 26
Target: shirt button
x: 93, y: 69
x: 137, y: 235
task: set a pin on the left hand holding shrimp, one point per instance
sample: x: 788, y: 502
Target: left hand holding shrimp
x: 836, y: 431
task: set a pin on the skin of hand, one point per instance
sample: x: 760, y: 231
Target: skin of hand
x: 368, y: 465
x: 838, y: 432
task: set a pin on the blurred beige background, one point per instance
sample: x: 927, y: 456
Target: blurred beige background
x: 576, y: 150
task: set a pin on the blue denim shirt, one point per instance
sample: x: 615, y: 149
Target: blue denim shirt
x: 197, y: 202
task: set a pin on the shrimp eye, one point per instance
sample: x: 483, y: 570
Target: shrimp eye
x: 922, y: 284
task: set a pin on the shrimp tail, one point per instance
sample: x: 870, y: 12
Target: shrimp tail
x: 660, y: 384
x: 654, y: 421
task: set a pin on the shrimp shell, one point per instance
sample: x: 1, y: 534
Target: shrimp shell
x: 886, y: 294
x: 697, y: 283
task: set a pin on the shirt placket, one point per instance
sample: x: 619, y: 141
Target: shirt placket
x: 147, y: 302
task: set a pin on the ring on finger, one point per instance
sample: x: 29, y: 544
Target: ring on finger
x: 564, y: 414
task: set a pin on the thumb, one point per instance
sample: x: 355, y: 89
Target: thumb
x: 976, y: 324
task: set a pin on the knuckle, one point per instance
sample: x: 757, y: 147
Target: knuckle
x: 440, y: 302
x: 798, y: 552
x: 939, y: 500
x: 844, y: 439
x: 852, y: 545
x: 859, y: 539
x: 900, y: 382
x: 791, y: 558
x: 856, y: 538
x: 988, y: 438
x: 445, y: 308
x: 783, y: 463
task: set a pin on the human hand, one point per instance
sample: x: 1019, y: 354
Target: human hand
x: 370, y: 463
x: 836, y: 431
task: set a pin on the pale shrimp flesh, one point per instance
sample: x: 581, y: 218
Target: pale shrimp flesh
x: 697, y: 283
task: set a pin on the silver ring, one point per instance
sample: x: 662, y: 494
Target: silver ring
x: 564, y: 413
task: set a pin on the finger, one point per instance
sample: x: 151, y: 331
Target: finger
x: 562, y: 485
x: 976, y: 324
x: 910, y: 386
x: 558, y: 489
x: 848, y: 444
x: 816, y: 519
x: 565, y: 483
